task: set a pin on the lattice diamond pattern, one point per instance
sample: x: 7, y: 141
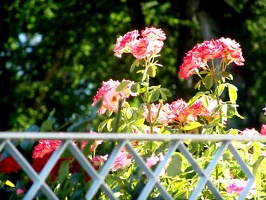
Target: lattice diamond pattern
x: 153, y: 176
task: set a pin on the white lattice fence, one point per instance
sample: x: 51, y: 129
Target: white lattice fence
x: 123, y: 141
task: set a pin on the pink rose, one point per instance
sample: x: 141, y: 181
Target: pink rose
x: 236, y: 186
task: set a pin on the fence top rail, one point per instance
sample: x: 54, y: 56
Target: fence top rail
x: 126, y: 136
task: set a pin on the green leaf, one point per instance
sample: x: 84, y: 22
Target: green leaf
x: 208, y: 82
x: 205, y: 101
x: 195, y: 98
x: 152, y: 71
x: 134, y: 64
x: 102, y: 125
x: 63, y: 171
x: 122, y: 86
x: 232, y: 90
x: 227, y: 75
x: 220, y: 89
x: 135, y: 88
x: 174, y: 168
x: 257, y: 164
x: 109, y: 124
x: 191, y: 126
x: 198, y: 84
x: 47, y: 125
x: 154, y: 96
x: 165, y: 93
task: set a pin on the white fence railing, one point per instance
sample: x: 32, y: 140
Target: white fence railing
x: 124, y: 141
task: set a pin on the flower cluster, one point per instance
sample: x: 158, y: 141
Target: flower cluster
x: 204, y: 113
x: 198, y: 57
x: 150, y: 43
x: 179, y: 113
x: 110, y: 97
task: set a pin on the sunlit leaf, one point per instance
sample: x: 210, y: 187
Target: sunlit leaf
x: 191, y: 126
x: 122, y: 86
x: 220, y: 89
x: 205, y: 101
x: 232, y: 90
x: 152, y: 71
x: 9, y: 183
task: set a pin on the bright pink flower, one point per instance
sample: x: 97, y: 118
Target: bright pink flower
x: 20, y: 191
x: 123, y: 43
x: 236, y: 186
x: 263, y: 130
x: 198, y: 57
x: 249, y: 132
x: 45, y: 147
x: 110, y: 98
x: 8, y: 165
x: 98, y: 161
x: 122, y: 161
x: 149, y: 44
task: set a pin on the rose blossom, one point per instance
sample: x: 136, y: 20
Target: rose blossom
x: 45, y: 147
x: 263, y: 129
x: 123, y: 43
x: 198, y: 57
x: 153, y: 33
x: 8, y: 165
x: 249, y: 132
x: 110, y: 97
x: 149, y: 44
x: 121, y: 162
x: 164, y: 116
x: 236, y: 186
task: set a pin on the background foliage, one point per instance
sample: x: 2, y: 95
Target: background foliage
x: 55, y: 54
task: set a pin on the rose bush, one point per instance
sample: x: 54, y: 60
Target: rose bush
x: 137, y: 107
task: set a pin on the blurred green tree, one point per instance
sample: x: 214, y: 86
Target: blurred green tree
x: 55, y: 54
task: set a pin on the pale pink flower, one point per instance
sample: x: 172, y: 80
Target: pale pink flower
x: 264, y: 109
x: 164, y: 116
x: 236, y: 186
x: 140, y: 49
x: 123, y: 43
x: 110, y: 97
x: 121, y: 162
x: 182, y: 113
x: 249, y: 132
x: 151, y: 161
x: 153, y: 33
